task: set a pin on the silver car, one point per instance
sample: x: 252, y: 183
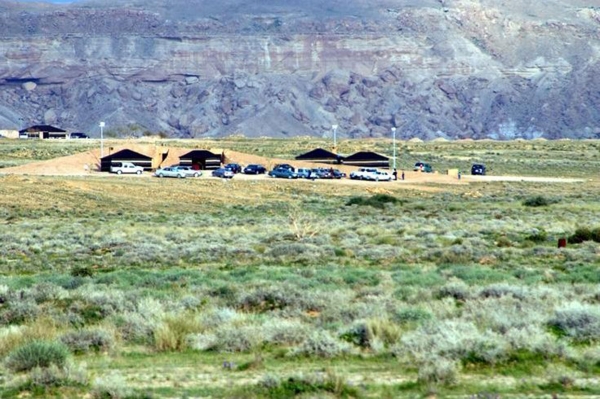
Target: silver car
x: 170, y: 171
x: 223, y: 173
x: 188, y: 170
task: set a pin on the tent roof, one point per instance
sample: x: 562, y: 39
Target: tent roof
x: 42, y: 128
x: 366, y: 156
x: 318, y: 153
x: 126, y: 154
x: 199, y: 154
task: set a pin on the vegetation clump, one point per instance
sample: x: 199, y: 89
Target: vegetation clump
x: 92, y: 340
x: 376, y: 201
x: 37, y: 354
x: 307, y: 386
x: 577, y: 321
x: 583, y: 234
x: 539, y: 200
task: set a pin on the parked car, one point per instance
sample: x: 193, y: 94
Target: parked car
x: 170, y: 171
x: 285, y: 166
x: 283, y: 173
x: 478, y: 169
x: 188, y: 170
x: 304, y: 173
x: 255, y: 169
x: 234, y: 167
x: 125, y: 167
x: 322, y: 173
x: 379, y: 175
x: 423, y: 167
x: 337, y: 174
x: 223, y: 173
x: 78, y: 135
x: 362, y: 173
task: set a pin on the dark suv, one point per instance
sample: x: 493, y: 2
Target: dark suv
x: 255, y: 169
x: 423, y: 167
x: 285, y: 166
x: 234, y: 167
x: 478, y: 169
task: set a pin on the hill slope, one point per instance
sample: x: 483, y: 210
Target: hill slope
x: 198, y: 68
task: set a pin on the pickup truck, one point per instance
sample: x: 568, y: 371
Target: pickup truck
x: 125, y: 167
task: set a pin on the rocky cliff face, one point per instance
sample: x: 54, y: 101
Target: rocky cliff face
x: 455, y: 69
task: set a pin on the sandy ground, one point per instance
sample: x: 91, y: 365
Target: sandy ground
x: 523, y: 178
x: 87, y: 163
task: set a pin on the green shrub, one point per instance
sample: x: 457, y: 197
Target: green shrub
x: 538, y: 200
x: 54, y: 377
x: 37, y: 354
x: 82, y: 271
x: 376, y: 201
x: 307, y: 386
x: 237, y: 338
x: 538, y: 235
x: 172, y: 333
x: 83, y: 341
x: 18, y: 312
x: 374, y: 334
x: 438, y: 371
x: 585, y: 234
x: 322, y: 344
x: 580, y: 322
x: 457, y: 290
x: 413, y: 315
x: 112, y: 386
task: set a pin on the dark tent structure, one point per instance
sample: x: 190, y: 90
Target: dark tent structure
x: 367, y: 158
x: 42, y: 132
x: 126, y: 156
x: 201, y: 159
x: 320, y: 155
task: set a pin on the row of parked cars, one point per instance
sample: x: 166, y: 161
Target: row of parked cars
x: 287, y: 171
x: 476, y: 168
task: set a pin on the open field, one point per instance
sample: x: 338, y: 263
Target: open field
x: 251, y: 288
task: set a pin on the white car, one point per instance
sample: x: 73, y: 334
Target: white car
x: 362, y: 173
x: 379, y: 175
x: 125, y: 167
x: 170, y: 171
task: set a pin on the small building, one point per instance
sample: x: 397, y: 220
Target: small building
x: 367, y: 158
x: 321, y: 156
x: 9, y: 134
x: 42, y: 132
x: 126, y: 156
x: 201, y: 159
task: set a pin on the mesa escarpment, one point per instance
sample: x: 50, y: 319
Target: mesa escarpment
x: 452, y: 69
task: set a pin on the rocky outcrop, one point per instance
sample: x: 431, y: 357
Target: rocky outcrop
x: 452, y: 69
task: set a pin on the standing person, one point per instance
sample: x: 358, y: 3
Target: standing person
x: 402, y: 175
x: 395, y: 174
x: 459, y: 175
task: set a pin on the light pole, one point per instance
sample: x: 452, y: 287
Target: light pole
x: 394, y: 145
x: 102, y: 124
x: 334, y: 127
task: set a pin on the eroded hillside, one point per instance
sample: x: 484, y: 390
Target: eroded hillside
x: 194, y: 68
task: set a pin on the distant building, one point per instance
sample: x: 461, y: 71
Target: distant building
x: 367, y: 158
x: 201, y: 159
x: 42, y: 132
x: 126, y: 156
x: 321, y: 156
x: 9, y: 134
